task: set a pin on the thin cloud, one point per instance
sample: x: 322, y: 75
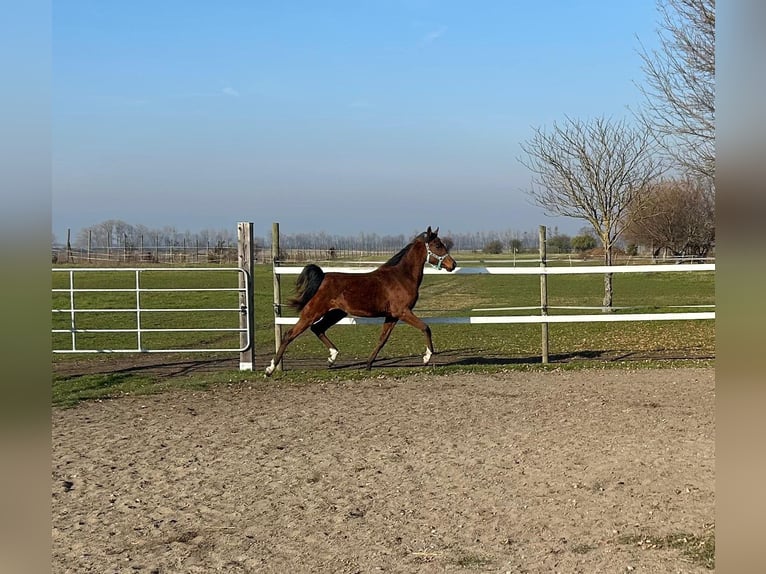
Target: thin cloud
x: 433, y: 35
x: 229, y: 91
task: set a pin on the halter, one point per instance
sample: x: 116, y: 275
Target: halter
x: 439, y: 258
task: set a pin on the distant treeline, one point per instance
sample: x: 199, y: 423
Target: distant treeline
x: 115, y: 240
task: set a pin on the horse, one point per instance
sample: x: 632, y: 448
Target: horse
x: 390, y: 291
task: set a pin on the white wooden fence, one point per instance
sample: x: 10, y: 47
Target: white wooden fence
x: 542, y: 317
x: 596, y: 269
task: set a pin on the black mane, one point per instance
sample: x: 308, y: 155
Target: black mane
x: 399, y: 256
x: 402, y: 252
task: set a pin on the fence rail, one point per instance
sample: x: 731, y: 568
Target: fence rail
x: 485, y: 270
x: 525, y: 319
x: 596, y: 269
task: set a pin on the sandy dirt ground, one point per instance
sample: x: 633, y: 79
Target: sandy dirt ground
x: 563, y: 471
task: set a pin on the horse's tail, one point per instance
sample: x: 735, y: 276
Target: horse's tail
x: 306, y: 285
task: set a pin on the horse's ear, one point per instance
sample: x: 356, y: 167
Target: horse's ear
x: 428, y: 232
x: 436, y: 232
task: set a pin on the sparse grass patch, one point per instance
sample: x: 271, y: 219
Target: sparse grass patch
x: 698, y: 548
x: 582, y: 548
x: 472, y: 561
x: 68, y: 391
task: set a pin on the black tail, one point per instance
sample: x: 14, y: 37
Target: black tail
x: 306, y: 285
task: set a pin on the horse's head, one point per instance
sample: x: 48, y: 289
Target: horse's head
x: 437, y: 254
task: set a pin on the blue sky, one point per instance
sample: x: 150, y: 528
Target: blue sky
x: 341, y: 117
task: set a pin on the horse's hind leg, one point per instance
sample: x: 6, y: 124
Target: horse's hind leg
x: 302, y: 324
x: 320, y: 327
x: 388, y: 326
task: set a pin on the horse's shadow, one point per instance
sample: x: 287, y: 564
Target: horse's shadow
x: 473, y: 358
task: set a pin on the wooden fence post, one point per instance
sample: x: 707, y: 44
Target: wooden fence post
x: 543, y: 295
x: 277, y: 288
x: 246, y: 297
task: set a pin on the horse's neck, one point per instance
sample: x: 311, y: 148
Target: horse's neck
x: 414, y: 260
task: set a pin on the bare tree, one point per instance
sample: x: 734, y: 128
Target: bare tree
x: 108, y: 233
x: 680, y: 84
x: 677, y: 215
x: 594, y: 170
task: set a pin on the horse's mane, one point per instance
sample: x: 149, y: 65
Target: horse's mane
x: 402, y: 252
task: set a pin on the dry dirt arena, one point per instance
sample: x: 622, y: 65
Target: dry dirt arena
x: 563, y: 471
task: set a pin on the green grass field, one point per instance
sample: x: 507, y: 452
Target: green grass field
x: 440, y: 295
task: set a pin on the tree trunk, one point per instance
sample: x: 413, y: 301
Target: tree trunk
x: 607, y: 304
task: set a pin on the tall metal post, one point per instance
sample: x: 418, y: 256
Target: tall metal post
x: 246, y: 297
x: 277, y: 288
x: 69, y: 257
x: 543, y: 295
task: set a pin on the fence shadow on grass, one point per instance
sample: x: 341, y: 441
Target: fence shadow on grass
x: 153, y: 365
x: 606, y: 356
x: 161, y: 366
x: 476, y: 358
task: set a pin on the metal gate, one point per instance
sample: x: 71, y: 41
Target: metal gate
x: 135, y: 304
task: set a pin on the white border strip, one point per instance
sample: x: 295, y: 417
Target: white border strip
x: 606, y: 317
x: 675, y: 268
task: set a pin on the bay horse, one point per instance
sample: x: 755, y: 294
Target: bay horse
x: 390, y: 291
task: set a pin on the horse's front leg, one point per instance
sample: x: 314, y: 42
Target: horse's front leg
x: 411, y: 319
x: 388, y: 326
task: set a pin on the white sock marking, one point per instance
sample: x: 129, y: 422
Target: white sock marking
x: 427, y: 356
x: 333, y: 356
